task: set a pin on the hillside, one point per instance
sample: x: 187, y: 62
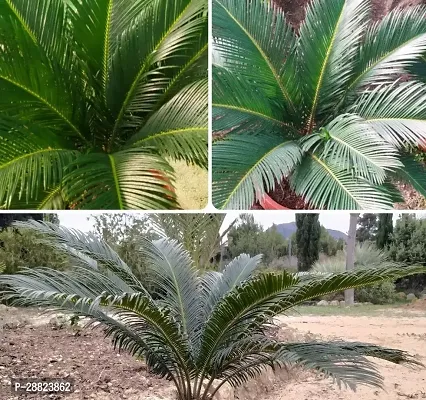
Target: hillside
x: 289, y: 228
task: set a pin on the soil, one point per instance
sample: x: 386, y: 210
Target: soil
x: 30, y: 346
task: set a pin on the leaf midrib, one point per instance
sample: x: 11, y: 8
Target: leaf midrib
x: 171, y: 132
x: 22, y: 22
x: 244, y: 178
x: 29, y: 155
x: 141, y: 70
x: 325, y: 166
x: 107, y: 44
x: 323, y: 68
x: 46, y: 102
x: 248, y: 111
x: 116, y: 181
x: 264, y: 56
x: 389, y: 54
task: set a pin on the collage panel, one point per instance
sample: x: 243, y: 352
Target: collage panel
x: 265, y: 305
x: 322, y: 107
x: 104, y: 104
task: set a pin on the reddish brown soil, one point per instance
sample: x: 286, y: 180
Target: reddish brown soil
x: 417, y: 305
x: 31, y: 351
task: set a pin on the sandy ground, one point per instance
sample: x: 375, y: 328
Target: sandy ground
x: 404, y: 330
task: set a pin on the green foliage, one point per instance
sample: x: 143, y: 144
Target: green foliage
x: 367, y: 227
x: 384, y: 230
x: 250, y: 238
x: 199, y: 234
x: 6, y: 220
x: 97, y: 97
x: 409, y: 246
x: 328, y: 245
x: 308, y: 240
x: 194, y: 330
x: 323, y: 107
x: 21, y: 248
x: 366, y: 255
x: 382, y: 293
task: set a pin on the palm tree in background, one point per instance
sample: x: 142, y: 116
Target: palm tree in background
x: 96, y: 97
x: 199, y: 332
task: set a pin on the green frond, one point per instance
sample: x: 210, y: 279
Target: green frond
x: 244, y: 108
x: 135, y: 178
x: 45, y: 22
x: 261, y: 54
x: 329, y: 39
x: 172, y: 34
x: 32, y: 160
x: 390, y: 46
x: 349, y: 143
x: 174, y: 275
x: 87, y: 251
x: 397, y: 112
x: 179, y: 128
x: 327, y: 186
x: 238, y: 181
x: 344, y: 362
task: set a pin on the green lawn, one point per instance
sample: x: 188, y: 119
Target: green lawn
x: 191, y: 186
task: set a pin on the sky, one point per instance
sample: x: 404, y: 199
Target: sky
x: 338, y: 220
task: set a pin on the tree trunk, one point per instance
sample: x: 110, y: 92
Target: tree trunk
x: 350, y: 255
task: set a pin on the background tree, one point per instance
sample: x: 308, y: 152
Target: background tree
x: 198, y: 233
x: 308, y: 240
x: 408, y: 245
x: 350, y: 255
x: 328, y: 244
x: 123, y: 232
x: 244, y: 236
x: 6, y: 220
x: 367, y: 227
x: 384, y: 230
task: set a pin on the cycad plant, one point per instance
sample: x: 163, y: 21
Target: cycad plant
x: 96, y: 98
x: 336, y: 108
x: 199, y: 332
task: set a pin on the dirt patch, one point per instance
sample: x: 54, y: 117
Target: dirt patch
x: 33, y: 349
x: 399, y: 331
x: 417, y: 305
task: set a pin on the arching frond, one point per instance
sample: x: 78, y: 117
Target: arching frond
x: 129, y: 179
x: 239, y: 181
x: 328, y: 186
x: 179, y: 128
x: 262, y: 54
x: 351, y: 144
x: 390, y: 46
x: 328, y: 52
x: 397, y: 112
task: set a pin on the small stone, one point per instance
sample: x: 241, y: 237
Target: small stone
x: 334, y: 303
x: 342, y: 303
x: 411, y: 297
x: 323, y: 303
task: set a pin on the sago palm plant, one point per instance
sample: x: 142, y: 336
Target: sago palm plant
x: 328, y: 108
x: 96, y: 97
x: 199, y: 332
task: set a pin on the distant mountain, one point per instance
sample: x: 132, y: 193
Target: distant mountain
x: 288, y: 229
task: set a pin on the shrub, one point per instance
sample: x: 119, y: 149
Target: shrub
x: 382, y: 293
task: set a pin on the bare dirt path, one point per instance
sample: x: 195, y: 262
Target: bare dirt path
x: 405, y: 329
